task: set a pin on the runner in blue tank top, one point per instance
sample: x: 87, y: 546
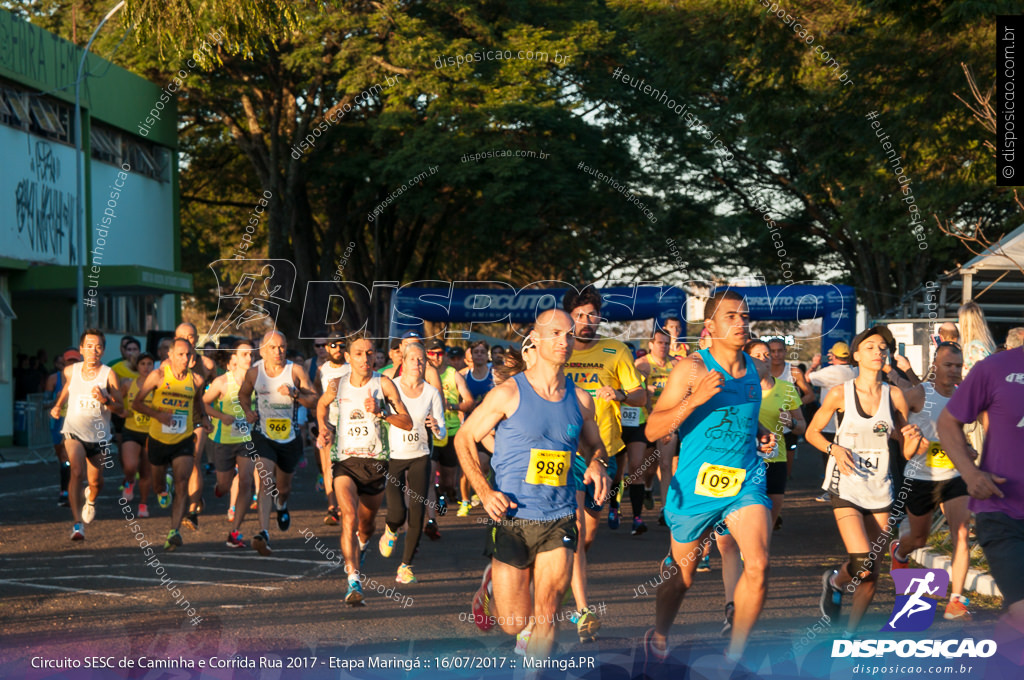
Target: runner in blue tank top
x: 541, y: 420
x: 713, y: 398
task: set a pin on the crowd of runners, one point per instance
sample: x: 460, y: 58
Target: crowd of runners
x: 549, y: 440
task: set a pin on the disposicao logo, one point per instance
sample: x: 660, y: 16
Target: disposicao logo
x: 917, y: 595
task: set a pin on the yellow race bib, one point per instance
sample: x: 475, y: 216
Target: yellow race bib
x: 550, y: 468
x: 719, y: 481
x: 279, y: 428
x: 937, y: 457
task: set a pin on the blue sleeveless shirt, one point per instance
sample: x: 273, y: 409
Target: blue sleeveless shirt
x: 533, y: 450
x: 718, y: 445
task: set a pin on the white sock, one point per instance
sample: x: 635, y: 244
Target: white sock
x: 353, y: 577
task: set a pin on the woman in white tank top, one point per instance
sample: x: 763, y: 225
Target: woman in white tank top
x: 870, y: 412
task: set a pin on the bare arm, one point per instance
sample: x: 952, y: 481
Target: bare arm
x: 806, y: 393
x: 467, y: 403
x: 62, y: 398
x: 211, y: 395
x: 980, y: 484
x: 139, y: 404
x: 201, y: 419
x: 690, y: 384
x: 245, y: 395
x: 590, y: 441
x: 323, y: 406
x: 401, y: 419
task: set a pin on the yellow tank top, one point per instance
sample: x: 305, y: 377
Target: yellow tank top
x: 178, y: 397
x: 658, y: 379
x: 137, y: 422
x: 238, y: 431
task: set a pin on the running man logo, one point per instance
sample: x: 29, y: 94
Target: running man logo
x: 917, y: 595
x: 250, y: 306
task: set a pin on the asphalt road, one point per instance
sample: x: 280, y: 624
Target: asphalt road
x: 60, y: 599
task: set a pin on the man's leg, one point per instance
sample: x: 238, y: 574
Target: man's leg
x: 917, y: 536
x: 243, y: 482
x: 195, y: 479
x: 678, y: 577
x: 513, y: 606
x: 751, y: 528
x: 266, y: 471
x: 348, y: 504
x: 958, y: 517
x: 732, y: 564
x: 579, y: 570
x: 368, y: 507
x: 552, y: 570
x: 181, y: 469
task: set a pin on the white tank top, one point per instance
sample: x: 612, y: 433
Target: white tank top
x: 870, y: 485
x: 358, y: 434
x: 277, y: 412
x: 327, y: 374
x: 787, y: 376
x: 931, y: 464
x: 415, y: 443
x: 87, y: 420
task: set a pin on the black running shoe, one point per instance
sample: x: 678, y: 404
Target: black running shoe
x: 284, y: 519
x: 730, y: 611
x: 831, y: 597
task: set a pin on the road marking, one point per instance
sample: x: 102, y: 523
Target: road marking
x: 258, y: 557
x: 19, y: 570
x: 48, y: 488
x: 67, y: 590
x: 151, y: 580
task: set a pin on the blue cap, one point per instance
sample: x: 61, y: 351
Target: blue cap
x: 410, y: 334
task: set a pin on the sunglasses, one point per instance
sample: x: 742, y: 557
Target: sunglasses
x: 435, y: 353
x: 333, y: 345
x: 948, y: 343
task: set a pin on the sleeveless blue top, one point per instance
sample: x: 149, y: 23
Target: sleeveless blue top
x: 478, y: 388
x: 722, y: 432
x: 538, y: 425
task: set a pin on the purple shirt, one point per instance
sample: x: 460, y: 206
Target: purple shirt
x: 996, y: 385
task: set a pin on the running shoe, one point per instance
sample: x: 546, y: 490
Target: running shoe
x: 217, y: 493
x: 704, y: 566
x: 191, y: 520
x: 143, y: 510
x: 235, y: 540
x: 173, y: 541
x: 363, y: 549
x: 831, y: 602
x: 654, y: 658
x: 638, y: 527
x: 464, y: 508
x: 481, y: 606
x: 587, y: 625
x: 333, y: 517
x: 63, y: 501
x: 284, y: 518
x: 254, y: 504
x: 169, y: 482
x: 164, y: 500
x: 661, y: 519
x: 387, y: 542
x: 957, y: 609
x: 78, y: 532
x: 231, y: 514
x: 475, y: 501
x: 613, y: 518
x: 405, y: 574
x: 261, y: 542
x: 442, y: 505
x: 897, y: 563
x: 128, y: 491
x: 522, y: 641
x: 778, y: 523
x: 354, y: 594
x: 431, y: 530
x: 320, y: 482
x: 649, y: 499
x: 89, y: 509
x: 824, y: 497
x: 730, y: 611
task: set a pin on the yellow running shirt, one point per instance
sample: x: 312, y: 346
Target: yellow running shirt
x: 137, y: 422
x: 176, y: 396
x: 608, y: 362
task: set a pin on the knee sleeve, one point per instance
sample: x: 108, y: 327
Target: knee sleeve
x: 860, y: 567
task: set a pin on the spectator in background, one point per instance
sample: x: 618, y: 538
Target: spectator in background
x: 457, y: 357
x: 124, y: 366
x: 497, y: 356
x: 1015, y: 338
x: 978, y: 342
x: 163, y: 348
x: 948, y: 332
x: 380, y: 358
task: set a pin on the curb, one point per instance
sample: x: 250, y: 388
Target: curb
x: 977, y: 581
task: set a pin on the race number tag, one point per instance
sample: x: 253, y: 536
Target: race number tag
x: 141, y: 420
x: 279, y: 428
x: 630, y: 416
x: 88, y: 404
x: 719, y: 481
x: 240, y: 428
x: 550, y: 468
x: 179, y: 421
x: 937, y: 457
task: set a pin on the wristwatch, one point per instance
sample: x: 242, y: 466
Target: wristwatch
x: 828, y: 449
x: 602, y: 461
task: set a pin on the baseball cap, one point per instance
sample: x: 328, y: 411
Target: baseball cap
x: 840, y: 350
x: 411, y: 334
x: 436, y: 344
x: 880, y: 330
x: 72, y: 355
x: 455, y: 352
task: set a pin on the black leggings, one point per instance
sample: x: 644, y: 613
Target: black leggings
x: 413, y: 474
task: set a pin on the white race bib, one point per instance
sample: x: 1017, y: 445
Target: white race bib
x: 179, y: 421
x: 630, y: 416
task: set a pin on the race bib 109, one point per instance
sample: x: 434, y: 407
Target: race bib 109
x: 719, y: 481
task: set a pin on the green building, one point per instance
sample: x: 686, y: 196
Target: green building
x: 131, y: 259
